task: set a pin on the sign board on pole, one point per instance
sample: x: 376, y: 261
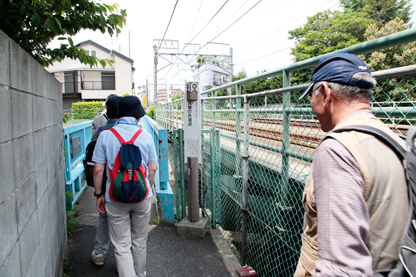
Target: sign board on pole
x: 169, y: 94
x: 192, y: 121
x: 144, y: 102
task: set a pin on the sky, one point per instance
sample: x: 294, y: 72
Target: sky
x: 257, y: 31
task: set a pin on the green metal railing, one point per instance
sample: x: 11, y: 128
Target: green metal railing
x: 257, y: 155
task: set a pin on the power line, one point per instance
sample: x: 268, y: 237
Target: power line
x: 217, y: 36
x: 237, y: 20
x: 342, y: 27
x: 167, y: 27
x: 284, y: 29
x: 195, y: 19
x: 197, y: 35
x: 211, y: 20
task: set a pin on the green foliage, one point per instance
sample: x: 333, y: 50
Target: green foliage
x: 72, y: 221
x: 154, y: 221
x: 67, y: 264
x: 86, y: 110
x: 66, y: 118
x: 176, y: 97
x: 150, y: 112
x: 179, y: 103
x: 68, y: 194
x: 392, y: 57
x: 381, y: 11
x: 34, y: 24
x: 328, y: 31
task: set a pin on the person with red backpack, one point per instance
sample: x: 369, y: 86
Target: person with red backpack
x: 128, y: 156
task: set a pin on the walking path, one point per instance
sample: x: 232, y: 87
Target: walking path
x: 167, y: 253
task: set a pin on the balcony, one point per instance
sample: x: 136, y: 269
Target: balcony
x: 98, y: 85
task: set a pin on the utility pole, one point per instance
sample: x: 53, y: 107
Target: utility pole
x: 147, y: 93
x: 155, y: 77
x: 231, y: 71
x: 231, y: 61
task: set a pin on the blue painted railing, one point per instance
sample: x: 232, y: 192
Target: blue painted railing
x: 163, y: 189
x: 76, y: 139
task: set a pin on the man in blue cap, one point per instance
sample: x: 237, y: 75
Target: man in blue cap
x: 356, y: 200
x: 128, y: 222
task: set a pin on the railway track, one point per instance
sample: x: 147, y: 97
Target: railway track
x: 303, y: 132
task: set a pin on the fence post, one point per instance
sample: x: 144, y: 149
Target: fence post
x: 175, y: 155
x: 214, y: 115
x: 286, y: 138
x: 245, y: 183
x: 238, y: 174
x: 218, y: 168
x: 181, y: 161
x: 212, y: 165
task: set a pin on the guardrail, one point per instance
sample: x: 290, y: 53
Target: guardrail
x: 163, y: 189
x: 76, y: 139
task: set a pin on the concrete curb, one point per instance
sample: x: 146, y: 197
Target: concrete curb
x: 227, y: 256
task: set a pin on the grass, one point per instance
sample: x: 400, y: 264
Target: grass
x: 154, y: 221
x: 72, y: 221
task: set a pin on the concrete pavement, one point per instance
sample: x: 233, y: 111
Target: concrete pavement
x: 167, y: 253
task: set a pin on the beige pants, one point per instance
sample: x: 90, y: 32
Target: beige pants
x: 129, y: 226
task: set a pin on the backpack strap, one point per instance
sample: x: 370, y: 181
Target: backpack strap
x: 382, y: 136
x: 99, y: 130
x: 131, y: 141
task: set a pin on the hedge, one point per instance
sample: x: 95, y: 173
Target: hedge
x: 86, y: 110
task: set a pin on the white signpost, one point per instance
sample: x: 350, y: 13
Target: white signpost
x: 192, y: 122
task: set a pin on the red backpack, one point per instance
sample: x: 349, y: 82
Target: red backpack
x: 128, y: 177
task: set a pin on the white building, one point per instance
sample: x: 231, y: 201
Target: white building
x: 80, y: 82
x: 210, y: 74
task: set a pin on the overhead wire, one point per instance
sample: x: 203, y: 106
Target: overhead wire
x: 216, y: 37
x: 287, y: 27
x: 237, y: 20
x: 167, y: 27
x: 332, y: 31
x: 196, y: 16
x: 198, y: 34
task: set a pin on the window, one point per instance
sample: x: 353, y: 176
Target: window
x: 88, y: 52
x: 70, y: 82
x: 93, y: 53
x: 108, y: 81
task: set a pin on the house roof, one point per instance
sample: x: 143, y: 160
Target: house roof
x: 104, y: 49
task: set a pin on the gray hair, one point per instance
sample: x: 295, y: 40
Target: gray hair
x: 349, y: 93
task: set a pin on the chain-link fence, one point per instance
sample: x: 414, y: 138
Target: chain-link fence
x: 257, y: 151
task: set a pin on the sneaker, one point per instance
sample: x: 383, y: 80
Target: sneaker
x: 97, y: 259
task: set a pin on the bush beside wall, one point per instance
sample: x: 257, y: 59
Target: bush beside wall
x: 86, y: 110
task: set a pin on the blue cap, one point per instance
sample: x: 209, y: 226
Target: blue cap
x: 339, y: 68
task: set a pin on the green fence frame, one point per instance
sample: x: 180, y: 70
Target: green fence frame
x: 234, y: 195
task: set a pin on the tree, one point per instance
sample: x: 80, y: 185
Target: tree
x: 393, y: 88
x: 382, y: 11
x: 34, y: 24
x: 328, y: 31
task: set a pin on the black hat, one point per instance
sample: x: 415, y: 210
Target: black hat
x: 130, y: 106
x: 112, y: 106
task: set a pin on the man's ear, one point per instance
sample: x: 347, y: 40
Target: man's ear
x: 327, y: 93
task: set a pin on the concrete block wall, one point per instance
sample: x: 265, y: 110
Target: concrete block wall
x: 33, y: 238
